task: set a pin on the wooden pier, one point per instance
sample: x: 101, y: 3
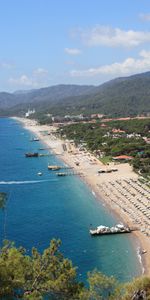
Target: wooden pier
x: 61, y: 174
x: 67, y: 168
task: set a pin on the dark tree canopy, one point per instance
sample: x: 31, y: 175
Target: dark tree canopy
x: 50, y: 276
x: 3, y: 199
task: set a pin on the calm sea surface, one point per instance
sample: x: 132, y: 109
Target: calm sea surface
x: 41, y: 208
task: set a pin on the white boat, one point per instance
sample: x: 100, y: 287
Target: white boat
x: 35, y: 139
x: 101, y: 230
x: 53, y: 167
x: 39, y: 173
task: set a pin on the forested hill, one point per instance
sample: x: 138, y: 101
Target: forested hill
x: 119, y: 97
x: 48, y: 94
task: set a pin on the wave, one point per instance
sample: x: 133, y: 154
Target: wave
x: 140, y: 259
x: 26, y: 181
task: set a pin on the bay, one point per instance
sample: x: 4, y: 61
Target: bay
x: 41, y: 208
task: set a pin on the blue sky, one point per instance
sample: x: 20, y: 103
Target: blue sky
x: 48, y: 42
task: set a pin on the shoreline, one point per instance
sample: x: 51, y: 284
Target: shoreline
x: 88, y: 166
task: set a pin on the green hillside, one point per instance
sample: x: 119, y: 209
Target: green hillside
x: 119, y: 97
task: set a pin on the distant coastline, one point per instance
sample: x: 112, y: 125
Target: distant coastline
x: 89, y: 166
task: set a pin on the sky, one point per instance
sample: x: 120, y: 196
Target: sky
x: 49, y: 42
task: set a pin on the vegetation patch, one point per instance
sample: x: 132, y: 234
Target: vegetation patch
x: 106, y: 160
x: 49, y: 275
x: 3, y: 198
x: 114, y: 138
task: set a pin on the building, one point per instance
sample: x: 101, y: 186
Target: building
x: 122, y: 158
x: 29, y: 112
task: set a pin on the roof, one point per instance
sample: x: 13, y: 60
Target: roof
x: 117, y: 130
x: 126, y: 157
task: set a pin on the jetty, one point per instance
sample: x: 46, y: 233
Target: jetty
x: 55, y: 167
x: 47, y: 148
x: 49, y: 154
x: 68, y: 173
x: 67, y: 168
x: 117, y: 229
x: 44, y: 154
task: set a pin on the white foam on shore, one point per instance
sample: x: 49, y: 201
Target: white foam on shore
x: 25, y: 182
x: 140, y: 259
x: 94, y: 194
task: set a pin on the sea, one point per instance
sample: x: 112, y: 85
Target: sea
x: 40, y: 208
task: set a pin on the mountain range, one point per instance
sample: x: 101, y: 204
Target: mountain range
x: 119, y: 97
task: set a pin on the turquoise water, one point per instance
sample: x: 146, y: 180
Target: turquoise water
x: 41, y: 208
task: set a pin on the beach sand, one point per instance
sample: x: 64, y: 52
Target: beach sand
x: 119, y: 190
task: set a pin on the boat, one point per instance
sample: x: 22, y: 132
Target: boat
x: 61, y: 174
x: 32, y: 154
x: 53, y: 167
x: 35, y: 139
x: 101, y: 230
x: 39, y: 173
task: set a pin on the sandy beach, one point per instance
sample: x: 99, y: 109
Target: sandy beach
x: 120, y: 190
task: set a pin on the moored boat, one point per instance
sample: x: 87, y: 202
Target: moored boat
x: 35, y: 139
x: 39, y: 173
x: 32, y: 154
x: 53, y: 167
x: 119, y: 228
x: 62, y: 174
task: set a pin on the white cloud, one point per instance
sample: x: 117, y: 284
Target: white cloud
x: 38, y: 78
x: 6, y: 65
x: 40, y: 72
x: 23, y: 80
x: 73, y: 51
x: 127, y: 67
x: 113, y: 37
x: 145, y: 17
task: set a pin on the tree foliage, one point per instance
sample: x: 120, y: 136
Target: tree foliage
x: 127, y: 96
x: 101, y: 287
x: 31, y: 277
x: 139, y: 286
x: 129, y: 140
x: 3, y: 199
x: 50, y: 276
